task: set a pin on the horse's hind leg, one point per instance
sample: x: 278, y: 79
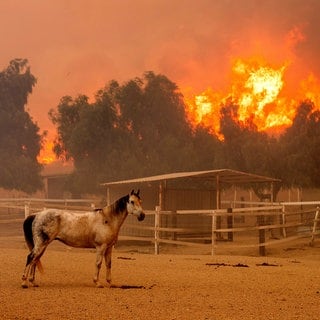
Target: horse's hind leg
x: 32, y: 275
x: 30, y: 269
x: 24, y: 283
x: 29, y: 264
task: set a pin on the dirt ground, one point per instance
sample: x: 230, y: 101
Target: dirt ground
x: 168, y: 286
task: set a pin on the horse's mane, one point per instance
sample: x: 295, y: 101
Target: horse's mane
x: 119, y: 205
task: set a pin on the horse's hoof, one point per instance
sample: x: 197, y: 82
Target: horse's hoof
x: 24, y: 285
x: 35, y: 285
x: 98, y: 284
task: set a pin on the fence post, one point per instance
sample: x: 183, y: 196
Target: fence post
x: 213, y: 233
x: 262, y: 236
x: 156, y: 229
x: 26, y: 210
x: 174, y: 225
x: 283, y: 216
x: 230, y: 224
x: 314, y: 228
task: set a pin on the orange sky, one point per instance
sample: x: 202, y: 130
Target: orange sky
x: 76, y: 46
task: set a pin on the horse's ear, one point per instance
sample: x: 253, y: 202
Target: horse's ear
x: 138, y: 192
x: 132, y: 192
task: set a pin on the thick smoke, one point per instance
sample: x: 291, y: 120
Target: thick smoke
x: 75, y: 47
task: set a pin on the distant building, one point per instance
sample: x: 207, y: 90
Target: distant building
x: 55, y: 176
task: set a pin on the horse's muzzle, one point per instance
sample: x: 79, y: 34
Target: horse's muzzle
x: 141, y: 216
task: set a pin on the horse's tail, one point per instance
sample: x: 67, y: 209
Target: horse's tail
x: 28, y: 236
x: 27, y: 229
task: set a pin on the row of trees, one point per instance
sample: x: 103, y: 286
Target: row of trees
x: 131, y: 130
x: 140, y: 128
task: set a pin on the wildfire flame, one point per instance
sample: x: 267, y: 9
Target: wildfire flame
x: 257, y: 91
x: 257, y: 88
x: 47, y: 155
x: 204, y: 109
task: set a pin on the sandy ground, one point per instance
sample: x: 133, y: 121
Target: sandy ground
x: 167, y: 286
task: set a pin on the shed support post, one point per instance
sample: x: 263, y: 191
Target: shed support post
x: 218, y: 206
x: 272, y: 193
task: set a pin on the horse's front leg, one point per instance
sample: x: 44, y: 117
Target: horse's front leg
x: 107, y: 257
x: 100, y: 254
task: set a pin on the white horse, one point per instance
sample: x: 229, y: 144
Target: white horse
x: 95, y: 229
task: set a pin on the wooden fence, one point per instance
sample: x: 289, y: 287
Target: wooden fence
x: 288, y: 226
x: 257, y: 225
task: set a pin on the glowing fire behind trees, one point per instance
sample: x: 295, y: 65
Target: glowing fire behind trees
x: 47, y: 155
x: 256, y: 89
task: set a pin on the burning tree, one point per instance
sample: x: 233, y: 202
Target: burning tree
x: 259, y: 91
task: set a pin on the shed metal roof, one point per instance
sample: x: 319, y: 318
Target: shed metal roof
x: 224, y: 175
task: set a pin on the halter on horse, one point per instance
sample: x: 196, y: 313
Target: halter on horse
x: 95, y: 229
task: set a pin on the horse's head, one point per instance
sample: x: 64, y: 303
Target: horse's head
x: 134, y: 205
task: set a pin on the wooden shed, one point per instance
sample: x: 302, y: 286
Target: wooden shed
x: 186, y: 190
x: 55, y: 176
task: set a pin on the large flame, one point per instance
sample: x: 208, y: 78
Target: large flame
x: 204, y: 108
x: 47, y: 155
x: 257, y: 91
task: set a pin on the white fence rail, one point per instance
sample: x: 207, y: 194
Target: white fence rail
x: 30, y: 205
x: 246, y: 227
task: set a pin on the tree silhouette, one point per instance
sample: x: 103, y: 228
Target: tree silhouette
x: 131, y: 130
x: 245, y: 148
x: 300, y: 145
x: 20, y: 141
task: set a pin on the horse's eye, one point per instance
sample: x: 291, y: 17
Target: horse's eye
x: 132, y: 202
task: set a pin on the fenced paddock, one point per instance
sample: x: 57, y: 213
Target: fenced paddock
x: 250, y: 226
x: 170, y: 286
